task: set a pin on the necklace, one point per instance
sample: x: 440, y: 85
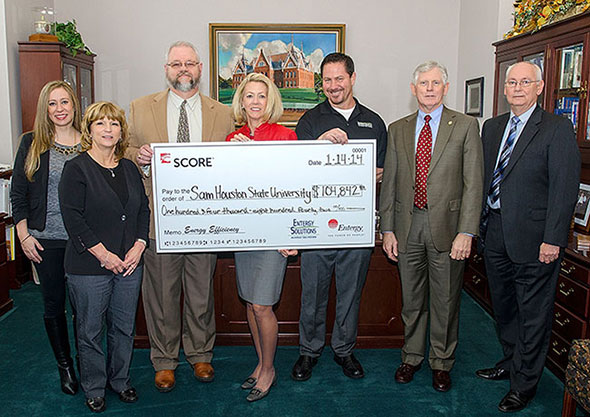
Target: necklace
x: 112, y: 172
x: 66, y: 150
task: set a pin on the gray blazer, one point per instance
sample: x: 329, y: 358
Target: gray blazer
x: 455, y: 179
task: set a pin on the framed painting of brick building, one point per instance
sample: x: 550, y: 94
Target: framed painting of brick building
x: 289, y: 54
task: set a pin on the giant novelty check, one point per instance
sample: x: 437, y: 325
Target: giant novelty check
x: 263, y: 195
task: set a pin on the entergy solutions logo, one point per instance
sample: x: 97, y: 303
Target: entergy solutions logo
x: 332, y: 223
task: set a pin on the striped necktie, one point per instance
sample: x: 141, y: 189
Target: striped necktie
x: 503, y: 161
x: 183, y: 133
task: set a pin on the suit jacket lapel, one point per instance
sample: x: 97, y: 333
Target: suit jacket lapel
x: 409, y: 139
x: 445, y: 128
x: 526, y: 136
x: 160, y: 115
x: 208, y: 118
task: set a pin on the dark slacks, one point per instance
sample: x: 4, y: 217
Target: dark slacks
x: 166, y: 277
x: 522, y: 299
x: 99, y: 299
x: 52, y: 277
x: 350, y: 267
x: 431, y: 289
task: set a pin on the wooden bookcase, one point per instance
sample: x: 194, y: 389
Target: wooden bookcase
x: 41, y: 62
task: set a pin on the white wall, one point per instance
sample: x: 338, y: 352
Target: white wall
x: 476, y: 53
x: 386, y: 38
x: 19, y: 25
x: 5, y: 122
x: 130, y: 38
x: 482, y: 22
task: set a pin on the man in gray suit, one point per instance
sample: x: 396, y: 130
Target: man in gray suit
x: 532, y: 174
x: 430, y: 207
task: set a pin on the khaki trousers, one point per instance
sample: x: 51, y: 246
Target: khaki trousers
x: 165, y: 277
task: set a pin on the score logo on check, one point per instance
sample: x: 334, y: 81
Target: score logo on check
x: 165, y: 158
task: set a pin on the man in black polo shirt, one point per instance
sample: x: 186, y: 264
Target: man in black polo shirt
x: 340, y: 118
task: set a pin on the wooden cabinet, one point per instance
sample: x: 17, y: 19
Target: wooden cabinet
x: 18, y: 271
x: 572, y: 309
x: 5, y: 300
x: 380, y: 324
x: 572, y: 304
x: 562, y: 50
x: 41, y: 62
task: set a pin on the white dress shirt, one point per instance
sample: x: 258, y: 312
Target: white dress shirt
x: 193, y: 112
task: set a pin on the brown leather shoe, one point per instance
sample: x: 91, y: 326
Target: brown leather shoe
x: 164, y: 380
x: 441, y: 380
x: 405, y: 373
x: 204, y: 371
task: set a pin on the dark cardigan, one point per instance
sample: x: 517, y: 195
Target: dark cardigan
x: 93, y: 213
x: 29, y: 198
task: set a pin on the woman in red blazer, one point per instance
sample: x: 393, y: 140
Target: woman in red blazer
x: 259, y: 274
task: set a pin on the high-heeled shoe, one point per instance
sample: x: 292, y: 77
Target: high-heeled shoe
x: 257, y: 394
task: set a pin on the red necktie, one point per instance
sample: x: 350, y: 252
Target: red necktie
x: 423, y: 156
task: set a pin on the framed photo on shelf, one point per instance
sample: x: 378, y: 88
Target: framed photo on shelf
x: 582, y: 210
x: 289, y: 54
x: 474, y: 97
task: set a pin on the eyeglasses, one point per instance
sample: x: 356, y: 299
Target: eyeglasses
x: 522, y: 83
x: 176, y: 65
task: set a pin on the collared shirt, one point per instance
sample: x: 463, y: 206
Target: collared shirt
x: 434, y: 124
x: 193, y: 112
x: 362, y: 124
x: 524, y: 118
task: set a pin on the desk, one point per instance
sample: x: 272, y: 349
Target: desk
x: 380, y: 324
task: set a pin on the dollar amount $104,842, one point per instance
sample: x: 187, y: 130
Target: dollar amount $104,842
x: 338, y: 190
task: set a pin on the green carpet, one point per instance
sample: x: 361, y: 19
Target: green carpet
x: 29, y: 381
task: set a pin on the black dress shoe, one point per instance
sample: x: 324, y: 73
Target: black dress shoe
x: 350, y: 366
x: 405, y: 372
x: 129, y: 395
x: 96, y: 404
x: 302, y: 368
x: 513, y: 401
x: 493, y: 374
x: 441, y: 380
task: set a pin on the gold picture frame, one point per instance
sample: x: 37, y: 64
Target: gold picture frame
x: 289, y: 54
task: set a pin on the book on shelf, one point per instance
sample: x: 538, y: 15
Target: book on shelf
x: 10, y: 243
x: 577, y: 69
x: 568, y: 107
x: 567, y: 68
x: 5, y: 196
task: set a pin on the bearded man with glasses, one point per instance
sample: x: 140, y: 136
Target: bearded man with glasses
x: 178, y: 114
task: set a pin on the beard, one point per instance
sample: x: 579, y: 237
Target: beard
x: 186, y: 86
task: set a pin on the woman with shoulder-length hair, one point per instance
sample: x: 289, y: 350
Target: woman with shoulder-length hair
x: 259, y: 274
x: 38, y: 167
x: 106, y: 214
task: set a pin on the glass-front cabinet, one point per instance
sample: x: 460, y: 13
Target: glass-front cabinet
x: 562, y: 52
x: 568, y: 93
x: 41, y: 62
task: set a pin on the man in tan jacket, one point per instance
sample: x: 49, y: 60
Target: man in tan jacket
x: 178, y: 114
x: 430, y: 206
